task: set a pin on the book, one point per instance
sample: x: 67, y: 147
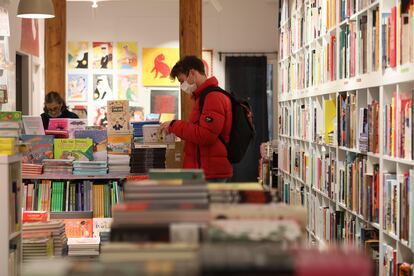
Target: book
x: 41, y: 147
x: 74, y: 149
x: 33, y: 125
x: 7, y: 116
x: 330, y: 117
x: 58, y: 124
x: 79, y: 228
x: 118, y: 117
x: 119, y: 144
x: 100, y: 142
x: 101, y: 225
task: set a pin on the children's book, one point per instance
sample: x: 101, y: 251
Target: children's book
x: 33, y: 125
x: 78, y: 228
x: 58, y: 124
x: 119, y: 144
x: 40, y: 147
x: 100, y: 142
x: 118, y: 117
x: 10, y: 116
x: 76, y: 124
x: 74, y: 149
x: 101, y: 225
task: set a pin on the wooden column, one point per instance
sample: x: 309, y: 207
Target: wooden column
x: 55, y: 49
x: 190, y: 41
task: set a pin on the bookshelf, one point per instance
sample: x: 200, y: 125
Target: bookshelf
x: 345, y: 101
x: 10, y: 217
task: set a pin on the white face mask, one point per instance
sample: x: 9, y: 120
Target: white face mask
x: 188, y: 88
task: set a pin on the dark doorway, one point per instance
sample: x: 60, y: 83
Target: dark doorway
x: 22, y: 84
x: 246, y: 79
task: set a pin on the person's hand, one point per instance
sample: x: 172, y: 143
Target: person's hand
x: 165, y: 128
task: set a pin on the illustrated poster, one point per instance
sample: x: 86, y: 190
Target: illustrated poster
x: 102, y: 55
x: 157, y: 64
x: 127, y: 55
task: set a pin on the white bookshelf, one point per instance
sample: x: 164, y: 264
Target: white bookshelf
x: 375, y: 84
x: 10, y: 234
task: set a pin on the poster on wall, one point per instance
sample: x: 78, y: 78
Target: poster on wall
x: 207, y: 56
x: 164, y: 101
x: 157, y: 64
x: 4, y: 22
x: 127, y: 55
x: 102, y: 87
x: 78, y: 54
x: 80, y: 110
x: 136, y: 113
x: 128, y: 87
x: 98, y: 115
x: 29, y: 41
x: 102, y: 55
x: 77, y: 88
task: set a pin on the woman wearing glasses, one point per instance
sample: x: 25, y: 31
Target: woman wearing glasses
x: 55, y: 107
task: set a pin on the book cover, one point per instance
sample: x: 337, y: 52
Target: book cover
x: 76, y: 124
x: 10, y: 116
x: 330, y: 117
x: 73, y: 149
x: 41, y: 147
x: 35, y: 216
x: 119, y: 144
x: 118, y: 116
x: 100, y: 142
x: 33, y: 125
x: 79, y: 228
x: 58, y: 124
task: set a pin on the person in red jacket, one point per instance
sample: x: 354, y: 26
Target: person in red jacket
x: 202, y: 132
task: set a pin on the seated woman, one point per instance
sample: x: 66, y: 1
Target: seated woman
x: 55, y: 107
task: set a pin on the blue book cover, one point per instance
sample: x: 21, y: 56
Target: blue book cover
x: 100, y: 141
x: 40, y: 147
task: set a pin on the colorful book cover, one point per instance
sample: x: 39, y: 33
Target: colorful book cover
x: 76, y: 124
x: 119, y: 144
x: 35, y: 216
x: 118, y: 116
x: 58, y: 124
x: 33, y: 125
x: 79, y: 228
x: 101, y: 225
x: 74, y: 149
x: 330, y: 117
x: 10, y: 116
x: 41, y: 147
x: 100, y: 142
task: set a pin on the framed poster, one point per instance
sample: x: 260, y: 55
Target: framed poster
x: 136, y: 113
x: 78, y: 54
x: 127, y: 55
x: 102, y: 87
x: 157, y: 64
x: 207, y: 56
x: 128, y: 87
x: 77, y: 88
x: 165, y: 101
x: 102, y: 55
x: 97, y: 115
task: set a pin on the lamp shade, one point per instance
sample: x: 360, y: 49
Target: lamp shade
x: 35, y: 9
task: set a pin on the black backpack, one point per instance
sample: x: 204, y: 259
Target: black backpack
x: 242, y: 128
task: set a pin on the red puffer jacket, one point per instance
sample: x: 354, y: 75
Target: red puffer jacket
x: 201, y: 133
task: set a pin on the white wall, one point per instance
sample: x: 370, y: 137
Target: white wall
x: 242, y: 25
x: 36, y: 78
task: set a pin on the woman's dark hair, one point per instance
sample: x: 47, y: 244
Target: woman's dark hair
x: 184, y: 65
x: 54, y: 97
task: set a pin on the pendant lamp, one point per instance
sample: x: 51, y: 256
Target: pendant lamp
x: 35, y: 9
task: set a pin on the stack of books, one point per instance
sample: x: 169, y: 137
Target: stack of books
x: 81, y: 247
x: 32, y: 169
x: 138, y: 129
x: 90, y: 167
x: 43, y: 239
x: 10, y: 124
x: 57, y: 166
x: 161, y: 210
x: 145, y: 157
x: 119, y: 149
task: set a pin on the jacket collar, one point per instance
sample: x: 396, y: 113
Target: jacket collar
x: 209, y: 82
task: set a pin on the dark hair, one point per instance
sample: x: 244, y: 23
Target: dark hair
x: 184, y: 65
x: 54, y: 97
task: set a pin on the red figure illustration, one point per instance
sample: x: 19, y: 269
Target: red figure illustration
x: 206, y: 68
x: 160, y: 67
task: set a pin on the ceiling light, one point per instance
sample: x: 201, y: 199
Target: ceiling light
x: 35, y: 9
x: 95, y: 4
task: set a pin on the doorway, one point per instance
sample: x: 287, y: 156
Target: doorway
x: 22, y: 84
x: 246, y: 78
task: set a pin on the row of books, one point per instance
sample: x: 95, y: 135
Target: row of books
x: 398, y: 123
x: 359, y: 187
x: 63, y: 196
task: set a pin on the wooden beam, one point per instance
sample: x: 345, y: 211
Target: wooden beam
x: 190, y: 41
x: 55, y: 49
